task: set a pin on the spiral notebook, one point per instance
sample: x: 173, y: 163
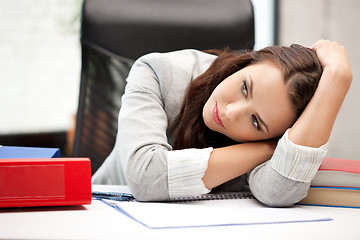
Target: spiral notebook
x: 215, y: 196
x: 220, y: 209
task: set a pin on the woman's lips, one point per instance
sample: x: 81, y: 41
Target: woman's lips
x: 216, y: 117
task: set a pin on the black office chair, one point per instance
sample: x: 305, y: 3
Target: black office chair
x: 116, y: 32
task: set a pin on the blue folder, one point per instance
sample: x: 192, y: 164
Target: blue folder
x: 28, y: 152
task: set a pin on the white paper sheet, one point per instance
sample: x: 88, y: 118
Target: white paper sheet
x: 212, y: 213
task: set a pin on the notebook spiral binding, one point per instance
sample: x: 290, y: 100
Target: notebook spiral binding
x: 215, y: 196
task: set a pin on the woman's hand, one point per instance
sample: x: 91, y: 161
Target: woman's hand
x: 333, y: 57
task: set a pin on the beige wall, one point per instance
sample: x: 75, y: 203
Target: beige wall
x: 304, y: 22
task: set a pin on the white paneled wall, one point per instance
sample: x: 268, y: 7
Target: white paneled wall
x: 39, y: 64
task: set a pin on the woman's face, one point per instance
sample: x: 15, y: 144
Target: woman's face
x: 250, y: 105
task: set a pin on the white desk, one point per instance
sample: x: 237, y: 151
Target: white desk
x: 98, y: 221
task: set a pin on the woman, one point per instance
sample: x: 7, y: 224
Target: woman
x: 224, y: 116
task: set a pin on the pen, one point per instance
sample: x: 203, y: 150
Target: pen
x: 113, y: 196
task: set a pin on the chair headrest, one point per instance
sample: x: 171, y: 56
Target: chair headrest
x: 132, y: 28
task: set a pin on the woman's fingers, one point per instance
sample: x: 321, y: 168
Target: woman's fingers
x: 331, y: 53
x: 333, y: 57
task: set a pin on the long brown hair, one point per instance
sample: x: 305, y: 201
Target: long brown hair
x: 300, y: 66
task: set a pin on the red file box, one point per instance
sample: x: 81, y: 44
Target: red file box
x: 45, y: 182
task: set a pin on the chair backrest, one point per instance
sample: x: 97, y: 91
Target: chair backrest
x: 116, y: 32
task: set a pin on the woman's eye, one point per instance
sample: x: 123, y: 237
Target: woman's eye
x: 256, y: 123
x: 245, y: 89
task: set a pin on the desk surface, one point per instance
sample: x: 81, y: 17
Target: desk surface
x: 98, y: 221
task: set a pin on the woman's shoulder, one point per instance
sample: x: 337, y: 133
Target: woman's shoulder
x: 168, y: 73
x: 179, y: 55
x: 187, y: 60
x: 188, y: 56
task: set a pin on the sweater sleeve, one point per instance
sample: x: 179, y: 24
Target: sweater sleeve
x: 285, y: 179
x: 185, y: 171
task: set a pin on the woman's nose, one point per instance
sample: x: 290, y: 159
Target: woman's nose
x: 236, y: 110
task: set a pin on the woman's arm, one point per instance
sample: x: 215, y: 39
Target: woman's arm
x: 285, y: 179
x: 314, y: 126
x: 230, y: 162
x: 152, y: 98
